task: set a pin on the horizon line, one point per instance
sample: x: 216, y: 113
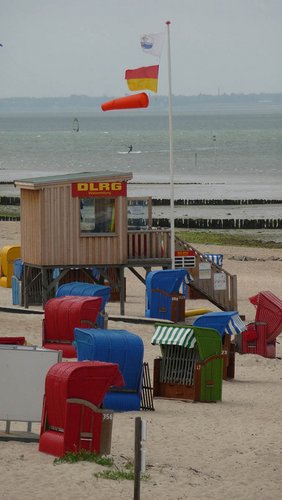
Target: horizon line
x: 232, y: 94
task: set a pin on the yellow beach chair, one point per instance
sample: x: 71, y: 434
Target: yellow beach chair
x: 7, y: 256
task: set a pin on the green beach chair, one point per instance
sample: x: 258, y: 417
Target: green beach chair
x: 211, y: 361
x: 191, y: 365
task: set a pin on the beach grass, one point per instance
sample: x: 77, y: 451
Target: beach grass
x: 9, y: 211
x: 115, y: 473
x: 255, y: 239
x: 119, y: 474
x: 83, y: 456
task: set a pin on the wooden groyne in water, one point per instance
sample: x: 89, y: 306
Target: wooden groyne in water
x: 218, y: 202
x: 202, y: 223
x: 189, y: 223
x: 184, y: 223
x: 218, y: 223
x: 158, y: 202
x: 10, y: 201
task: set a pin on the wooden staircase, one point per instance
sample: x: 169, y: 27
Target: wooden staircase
x: 151, y: 248
x: 225, y: 299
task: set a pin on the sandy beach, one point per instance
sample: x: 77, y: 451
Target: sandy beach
x: 229, y: 449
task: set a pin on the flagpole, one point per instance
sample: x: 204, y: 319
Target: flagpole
x: 171, y: 166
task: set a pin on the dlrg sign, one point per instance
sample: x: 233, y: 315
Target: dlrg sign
x: 97, y: 188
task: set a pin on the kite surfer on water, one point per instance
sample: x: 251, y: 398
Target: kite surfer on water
x: 130, y: 148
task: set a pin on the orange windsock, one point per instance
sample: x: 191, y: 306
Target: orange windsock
x: 128, y: 102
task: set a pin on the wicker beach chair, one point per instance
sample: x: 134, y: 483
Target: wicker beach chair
x: 62, y: 316
x: 191, y: 363
x: 79, y: 288
x: 260, y: 335
x: 115, y: 346
x: 72, y: 417
x: 163, y: 299
x: 229, y: 325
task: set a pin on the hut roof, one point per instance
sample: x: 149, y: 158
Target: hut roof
x: 39, y: 182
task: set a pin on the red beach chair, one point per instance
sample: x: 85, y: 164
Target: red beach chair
x: 72, y: 418
x: 260, y: 336
x: 13, y: 340
x: 62, y: 315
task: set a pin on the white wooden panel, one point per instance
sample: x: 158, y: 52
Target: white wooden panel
x: 23, y: 371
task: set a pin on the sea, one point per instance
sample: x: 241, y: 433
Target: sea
x: 220, y: 154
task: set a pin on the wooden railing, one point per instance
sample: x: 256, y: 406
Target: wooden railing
x: 149, y: 244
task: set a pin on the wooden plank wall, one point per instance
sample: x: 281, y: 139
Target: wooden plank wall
x: 31, y: 227
x: 59, y: 231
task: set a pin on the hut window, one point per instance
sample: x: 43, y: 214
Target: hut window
x: 97, y: 215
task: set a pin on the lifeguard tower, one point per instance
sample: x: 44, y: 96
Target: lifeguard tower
x: 85, y: 223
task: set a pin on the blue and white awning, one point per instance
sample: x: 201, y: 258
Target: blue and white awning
x: 215, y: 258
x: 174, y: 335
x: 235, y: 325
x: 224, y: 322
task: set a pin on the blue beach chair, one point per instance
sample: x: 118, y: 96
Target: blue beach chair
x: 115, y: 346
x: 163, y: 297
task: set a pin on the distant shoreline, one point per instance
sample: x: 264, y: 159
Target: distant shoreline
x: 203, y: 103
x: 176, y: 182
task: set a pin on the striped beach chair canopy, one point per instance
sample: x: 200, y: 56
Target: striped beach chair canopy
x: 215, y: 258
x: 173, y: 335
x: 224, y: 322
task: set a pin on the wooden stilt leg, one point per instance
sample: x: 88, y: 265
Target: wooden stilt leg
x: 122, y: 291
x: 44, y: 286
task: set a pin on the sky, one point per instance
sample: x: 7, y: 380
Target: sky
x: 58, y: 48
